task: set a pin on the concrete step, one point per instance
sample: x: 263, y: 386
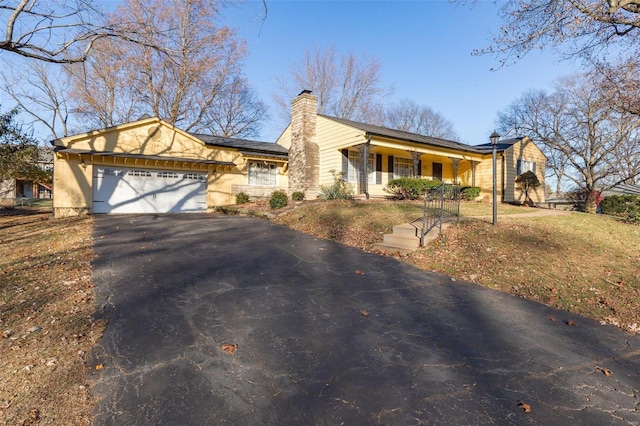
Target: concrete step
x: 405, y: 238
x: 404, y: 241
x: 408, y: 229
x: 392, y: 249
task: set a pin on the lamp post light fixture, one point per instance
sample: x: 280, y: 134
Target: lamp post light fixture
x: 494, y: 143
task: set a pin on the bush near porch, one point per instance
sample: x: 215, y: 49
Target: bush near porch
x: 410, y: 188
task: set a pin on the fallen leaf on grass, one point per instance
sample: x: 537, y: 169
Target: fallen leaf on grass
x: 359, y: 272
x: 526, y: 407
x: 571, y: 323
x: 34, y: 417
x: 364, y: 313
x: 605, y: 371
x: 230, y: 348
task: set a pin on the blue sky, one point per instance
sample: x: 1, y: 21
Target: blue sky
x: 424, y: 47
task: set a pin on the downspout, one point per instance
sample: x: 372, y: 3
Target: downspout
x: 365, y: 164
x: 502, y: 177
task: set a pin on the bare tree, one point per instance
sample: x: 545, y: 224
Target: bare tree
x: 556, y: 168
x: 574, y: 27
x: 60, y: 31
x: 620, y: 83
x: 625, y: 161
x: 408, y: 116
x: 347, y: 86
x: 40, y: 94
x: 239, y: 112
x: 196, y: 65
x: 578, y: 129
x: 103, y: 88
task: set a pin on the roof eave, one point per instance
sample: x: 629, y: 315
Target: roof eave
x: 381, y: 135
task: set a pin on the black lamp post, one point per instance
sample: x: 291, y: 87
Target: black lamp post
x: 494, y: 142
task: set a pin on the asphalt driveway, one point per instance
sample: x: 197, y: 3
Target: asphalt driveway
x: 330, y: 335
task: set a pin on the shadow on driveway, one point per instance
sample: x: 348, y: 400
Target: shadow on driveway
x: 174, y: 288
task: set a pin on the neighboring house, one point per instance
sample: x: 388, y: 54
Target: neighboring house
x: 320, y: 145
x: 150, y: 166
x: 13, y: 189
x: 559, y: 203
x: 7, y: 192
x: 622, y: 189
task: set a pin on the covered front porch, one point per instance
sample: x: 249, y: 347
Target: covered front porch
x: 380, y: 162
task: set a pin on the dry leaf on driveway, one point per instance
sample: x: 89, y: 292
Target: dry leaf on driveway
x: 605, y: 371
x: 526, y: 407
x: 229, y: 348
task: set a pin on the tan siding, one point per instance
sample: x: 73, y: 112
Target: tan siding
x: 509, y: 174
x: 72, y: 184
x: 219, y: 187
x: 464, y: 173
x: 332, y: 137
x: 285, y: 138
x: 484, y: 178
x: 528, y: 151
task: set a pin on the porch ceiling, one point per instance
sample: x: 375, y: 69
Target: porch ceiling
x: 389, y: 146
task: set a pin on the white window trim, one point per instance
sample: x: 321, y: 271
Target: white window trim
x: 407, y: 165
x: 255, y: 179
x: 524, y: 166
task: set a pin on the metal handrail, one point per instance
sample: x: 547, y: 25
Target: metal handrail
x: 439, y: 203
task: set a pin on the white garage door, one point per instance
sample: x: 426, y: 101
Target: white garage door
x: 120, y: 190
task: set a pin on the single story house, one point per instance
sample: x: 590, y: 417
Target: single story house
x: 320, y: 145
x: 150, y: 166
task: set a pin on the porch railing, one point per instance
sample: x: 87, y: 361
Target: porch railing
x: 440, y: 204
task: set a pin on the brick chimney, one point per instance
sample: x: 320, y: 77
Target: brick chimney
x: 304, y: 159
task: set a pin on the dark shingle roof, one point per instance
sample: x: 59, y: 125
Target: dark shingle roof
x: 245, y: 145
x: 623, y: 189
x: 407, y: 136
x: 501, y: 145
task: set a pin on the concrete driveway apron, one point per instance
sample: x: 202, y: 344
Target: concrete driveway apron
x: 330, y: 335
